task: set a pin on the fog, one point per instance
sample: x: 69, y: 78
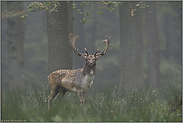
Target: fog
x: 161, y: 24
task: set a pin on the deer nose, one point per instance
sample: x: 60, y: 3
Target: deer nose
x: 91, y: 63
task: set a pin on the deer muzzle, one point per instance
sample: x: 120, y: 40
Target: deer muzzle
x: 91, y: 63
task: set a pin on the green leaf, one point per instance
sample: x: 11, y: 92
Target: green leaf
x: 88, y: 13
x: 23, y: 17
x: 29, y: 9
x: 80, y: 12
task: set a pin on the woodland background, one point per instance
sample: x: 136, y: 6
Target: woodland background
x: 142, y: 67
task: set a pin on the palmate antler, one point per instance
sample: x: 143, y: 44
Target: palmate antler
x: 74, y: 38
x: 98, y: 55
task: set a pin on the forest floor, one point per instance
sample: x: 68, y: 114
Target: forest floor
x: 153, y: 105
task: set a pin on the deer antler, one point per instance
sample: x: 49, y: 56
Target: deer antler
x: 98, y: 55
x: 73, y: 40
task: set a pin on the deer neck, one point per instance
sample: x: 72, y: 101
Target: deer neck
x: 89, y: 70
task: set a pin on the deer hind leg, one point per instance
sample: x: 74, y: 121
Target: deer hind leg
x: 54, y: 92
x: 61, y: 93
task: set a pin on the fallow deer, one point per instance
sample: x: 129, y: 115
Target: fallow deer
x: 78, y: 80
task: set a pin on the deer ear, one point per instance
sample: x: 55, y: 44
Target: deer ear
x: 97, y: 57
x: 85, y: 57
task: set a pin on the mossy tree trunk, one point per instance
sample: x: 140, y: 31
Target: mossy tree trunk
x: 131, y: 48
x: 15, y: 38
x: 59, y: 26
x: 152, y: 46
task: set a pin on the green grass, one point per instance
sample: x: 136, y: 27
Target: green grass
x: 139, y: 105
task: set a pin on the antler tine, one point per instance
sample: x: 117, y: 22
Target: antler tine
x: 96, y: 52
x: 73, y: 39
x: 86, y: 52
x: 107, y: 46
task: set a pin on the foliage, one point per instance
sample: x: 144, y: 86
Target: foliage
x: 111, y: 5
x: 50, y: 6
x: 7, y: 14
x: 78, y: 11
x: 139, y: 105
x: 11, y: 12
x: 137, y: 7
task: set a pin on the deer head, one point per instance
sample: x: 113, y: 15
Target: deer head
x: 90, y: 59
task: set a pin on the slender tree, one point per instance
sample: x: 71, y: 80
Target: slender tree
x: 131, y: 48
x: 15, y: 38
x: 152, y: 45
x: 59, y: 26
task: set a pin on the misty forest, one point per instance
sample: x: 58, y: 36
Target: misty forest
x: 138, y: 78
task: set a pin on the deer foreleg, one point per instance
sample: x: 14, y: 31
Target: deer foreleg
x: 81, y: 95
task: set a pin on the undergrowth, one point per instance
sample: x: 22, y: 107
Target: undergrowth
x: 140, y: 105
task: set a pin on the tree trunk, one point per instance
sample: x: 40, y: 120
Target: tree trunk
x: 15, y: 38
x: 152, y: 46
x: 131, y: 48
x: 59, y: 26
x: 167, y: 26
x: 79, y: 30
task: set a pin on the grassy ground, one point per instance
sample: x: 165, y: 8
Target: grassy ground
x: 139, y: 105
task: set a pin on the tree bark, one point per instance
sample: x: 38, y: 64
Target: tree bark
x: 167, y: 26
x: 15, y: 39
x: 131, y: 48
x: 152, y: 46
x: 59, y: 26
